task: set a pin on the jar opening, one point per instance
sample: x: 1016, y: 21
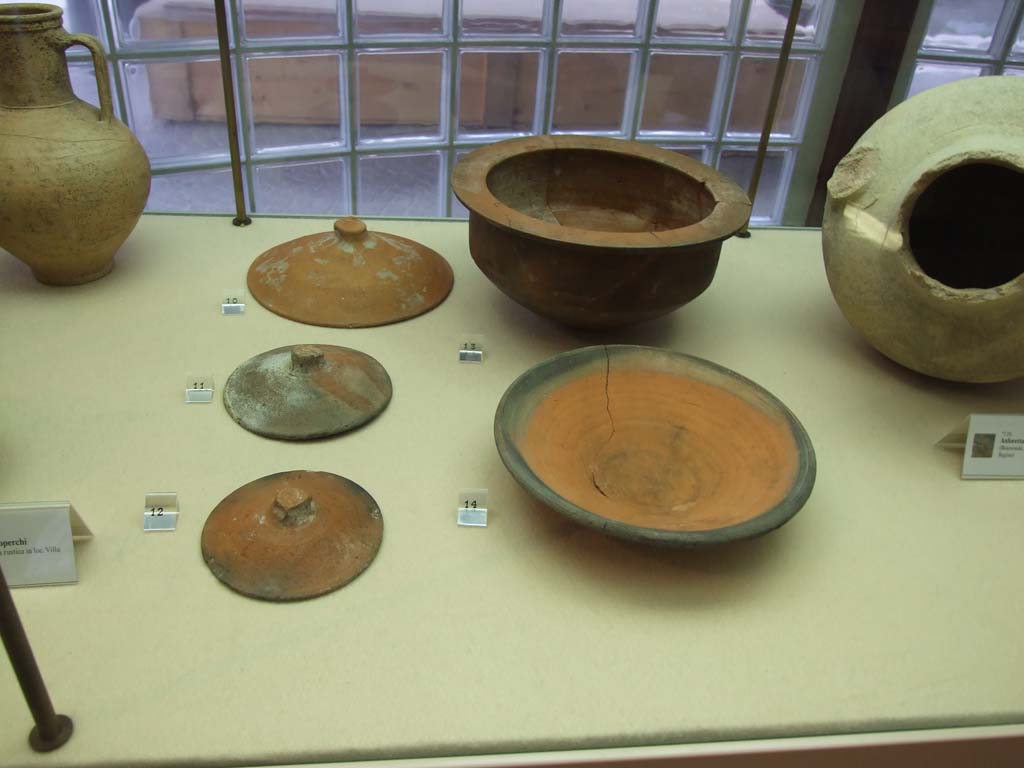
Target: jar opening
x: 965, y: 226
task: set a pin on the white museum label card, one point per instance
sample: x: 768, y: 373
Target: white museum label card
x: 995, y: 446
x: 37, y: 542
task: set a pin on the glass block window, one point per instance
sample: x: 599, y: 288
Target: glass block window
x: 311, y: 187
x: 969, y: 38
x: 681, y: 91
x: 499, y: 93
x: 364, y: 106
x: 591, y: 91
x: 586, y: 18
x: 295, y: 101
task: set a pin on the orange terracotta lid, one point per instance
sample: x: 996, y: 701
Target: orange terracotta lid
x: 350, y: 278
x: 292, y: 535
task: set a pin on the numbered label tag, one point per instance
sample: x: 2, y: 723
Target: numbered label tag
x: 198, y: 388
x: 232, y: 301
x: 472, y: 509
x: 471, y: 348
x: 161, y: 512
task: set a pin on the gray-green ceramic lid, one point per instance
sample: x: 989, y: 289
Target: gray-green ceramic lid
x: 307, y: 391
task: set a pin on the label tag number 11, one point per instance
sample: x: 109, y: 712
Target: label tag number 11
x: 198, y: 388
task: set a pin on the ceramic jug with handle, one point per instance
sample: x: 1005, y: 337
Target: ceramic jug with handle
x: 73, y: 179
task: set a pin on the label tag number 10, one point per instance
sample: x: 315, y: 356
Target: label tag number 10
x: 232, y: 301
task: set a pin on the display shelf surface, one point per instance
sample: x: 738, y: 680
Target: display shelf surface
x: 892, y: 601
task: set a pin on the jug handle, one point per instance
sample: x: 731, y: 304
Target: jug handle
x: 99, y: 62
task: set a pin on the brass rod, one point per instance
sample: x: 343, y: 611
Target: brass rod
x: 241, y: 218
x: 51, y: 730
x: 773, y: 105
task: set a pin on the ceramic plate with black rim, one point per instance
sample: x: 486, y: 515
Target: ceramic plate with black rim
x: 655, y: 446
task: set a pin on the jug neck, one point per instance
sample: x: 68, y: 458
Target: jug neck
x: 33, y: 71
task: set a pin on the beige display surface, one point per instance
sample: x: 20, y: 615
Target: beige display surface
x: 892, y: 601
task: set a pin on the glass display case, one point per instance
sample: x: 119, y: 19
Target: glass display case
x: 484, y: 624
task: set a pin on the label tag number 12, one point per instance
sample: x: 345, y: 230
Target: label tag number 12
x: 160, y: 512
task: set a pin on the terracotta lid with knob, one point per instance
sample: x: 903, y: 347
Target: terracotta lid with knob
x: 307, y: 391
x: 350, y: 278
x: 292, y: 535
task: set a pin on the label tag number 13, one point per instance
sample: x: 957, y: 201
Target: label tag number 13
x: 471, y: 350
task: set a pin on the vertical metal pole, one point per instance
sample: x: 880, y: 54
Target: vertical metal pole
x: 51, y: 730
x: 241, y: 218
x: 773, y: 105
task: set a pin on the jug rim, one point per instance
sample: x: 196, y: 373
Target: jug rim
x: 29, y: 17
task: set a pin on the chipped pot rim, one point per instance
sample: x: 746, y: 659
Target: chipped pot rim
x: 990, y: 150
x: 729, y: 215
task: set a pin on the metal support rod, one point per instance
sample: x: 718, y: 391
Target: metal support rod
x: 51, y: 730
x: 773, y: 105
x: 241, y: 218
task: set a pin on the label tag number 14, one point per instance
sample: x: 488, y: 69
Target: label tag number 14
x: 472, y: 510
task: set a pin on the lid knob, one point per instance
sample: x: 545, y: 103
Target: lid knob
x: 350, y: 227
x: 306, y: 357
x: 293, y: 506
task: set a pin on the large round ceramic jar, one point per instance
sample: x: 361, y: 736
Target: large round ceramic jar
x: 922, y: 232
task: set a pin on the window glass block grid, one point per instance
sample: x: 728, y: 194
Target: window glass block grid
x: 364, y: 106
x: 969, y: 38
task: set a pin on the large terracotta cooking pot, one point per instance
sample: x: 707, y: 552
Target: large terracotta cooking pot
x: 595, y: 232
